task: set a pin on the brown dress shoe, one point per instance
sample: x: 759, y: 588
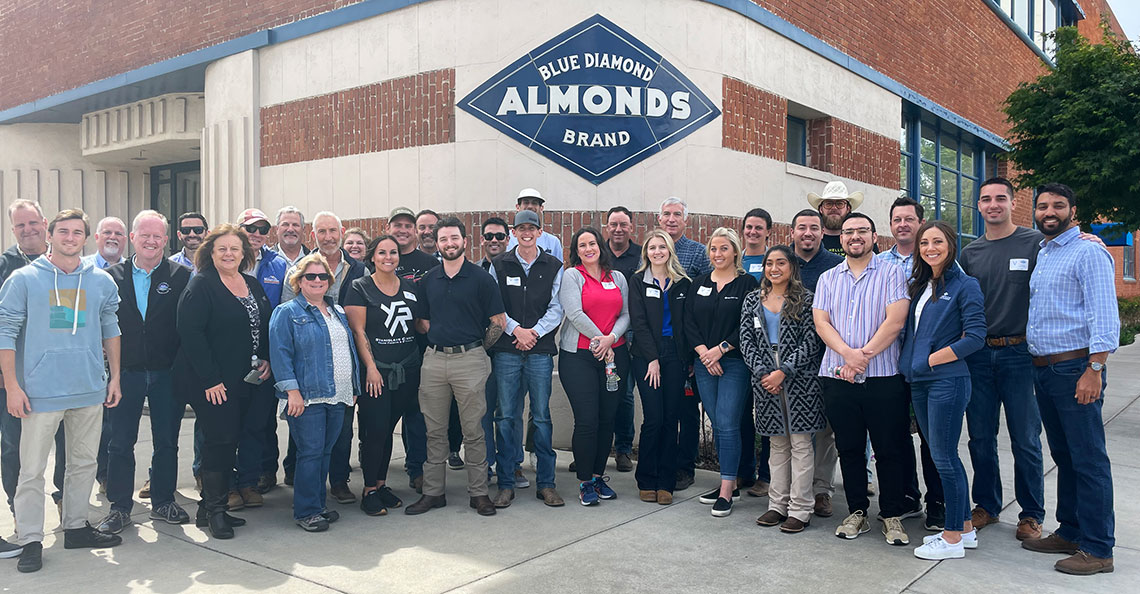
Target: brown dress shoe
x: 647, y: 496
x: 251, y: 497
x: 428, y: 503
x: 550, y: 497
x: 823, y: 505
x: 664, y: 497
x: 982, y: 518
x: 771, y: 518
x: 1050, y: 544
x: 504, y: 498
x: 793, y: 525
x: 758, y: 489
x: 1083, y: 563
x: 144, y: 492
x: 234, y: 501
x: 1028, y: 529
x: 482, y: 505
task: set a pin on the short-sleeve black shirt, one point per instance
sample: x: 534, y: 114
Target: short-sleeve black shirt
x: 459, y: 307
x: 628, y: 262
x: 413, y: 266
x: 390, y: 322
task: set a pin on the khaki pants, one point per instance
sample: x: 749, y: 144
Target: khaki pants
x: 81, y: 427
x: 465, y: 376
x: 826, y: 459
x: 791, y: 463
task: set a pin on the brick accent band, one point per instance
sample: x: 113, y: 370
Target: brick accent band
x: 416, y: 110
x: 753, y: 120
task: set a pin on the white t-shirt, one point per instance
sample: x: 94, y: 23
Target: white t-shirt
x: 922, y: 301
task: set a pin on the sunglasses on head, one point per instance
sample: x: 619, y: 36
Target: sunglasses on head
x: 317, y: 276
x: 497, y: 236
x: 191, y: 230
x: 259, y: 228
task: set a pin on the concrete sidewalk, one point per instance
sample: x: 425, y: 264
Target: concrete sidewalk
x: 620, y: 546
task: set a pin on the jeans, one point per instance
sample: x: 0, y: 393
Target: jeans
x: 517, y: 375
x: 378, y: 418
x: 877, y: 407
x: 752, y: 468
x: 660, y: 406
x: 584, y: 379
x: 104, y: 448
x: 723, y: 397
x: 339, y: 467
x: 315, y: 432
x: 251, y: 444
x: 689, y: 431
x: 1076, y: 441
x: 156, y: 388
x: 939, y: 406
x: 196, y: 465
x: 623, y: 422
x: 1004, y: 376
x: 10, y: 455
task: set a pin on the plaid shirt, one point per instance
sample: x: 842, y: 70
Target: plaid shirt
x: 892, y: 255
x: 1072, y: 298
x: 693, y: 257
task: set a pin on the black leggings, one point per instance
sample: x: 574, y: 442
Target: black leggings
x: 378, y: 417
x: 584, y: 379
x: 221, y: 425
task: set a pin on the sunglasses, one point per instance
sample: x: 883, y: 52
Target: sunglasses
x: 317, y: 276
x: 497, y: 236
x: 191, y: 230
x: 260, y: 228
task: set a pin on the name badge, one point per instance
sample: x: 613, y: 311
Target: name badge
x: 338, y: 308
x: 756, y: 322
x: 654, y: 293
x: 1019, y: 263
x: 704, y: 291
x: 514, y: 281
x: 755, y: 267
x: 410, y: 295
x: 609, y: 286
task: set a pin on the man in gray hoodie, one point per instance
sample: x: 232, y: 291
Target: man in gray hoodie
x: 58, y: 315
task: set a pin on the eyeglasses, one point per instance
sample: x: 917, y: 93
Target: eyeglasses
x: 317, y: 276
x: 191, y: 230
x: 500, y: 236
x: 259, y: 228
x: 856, y: 231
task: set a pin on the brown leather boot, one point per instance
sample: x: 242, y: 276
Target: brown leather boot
x: 1083, y: 563
x: 1049, y: 544
x: 426, y: 504
x: 482, y: 505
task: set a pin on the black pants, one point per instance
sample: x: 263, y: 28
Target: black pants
x: 454, y: 429
x: 222, y: 425
x: 879, y: 408
x: 657, y: 447
x: 584, y: 379
x: 689, y: 432
x: 378, y: 418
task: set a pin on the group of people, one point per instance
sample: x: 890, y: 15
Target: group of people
x: 829, y: 351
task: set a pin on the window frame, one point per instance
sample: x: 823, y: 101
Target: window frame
x: 1126, y: 274
x: 803, y: 156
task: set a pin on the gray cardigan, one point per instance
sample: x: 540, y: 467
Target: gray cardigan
x: 570, y: 294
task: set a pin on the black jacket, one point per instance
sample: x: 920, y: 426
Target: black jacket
x: 356, y: 269
x: 528, y: 300
x: 647, y: 313
x: 712, y: 316
x: 151, y: 344
x: 10, y: 261
x: 216, y: 343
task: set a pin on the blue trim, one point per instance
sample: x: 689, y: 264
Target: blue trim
x: 1008, y: 20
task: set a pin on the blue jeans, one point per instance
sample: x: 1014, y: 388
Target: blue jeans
x: 1004, y: 376
x: 723, y: 398
x: 938, y: 407
x: 156, y: 388
x: 623, y: 423
x: 517, y: 375
x: 1076, y: 441
x: 315, y: 432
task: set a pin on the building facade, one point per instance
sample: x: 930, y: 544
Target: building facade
x: 360, y: 106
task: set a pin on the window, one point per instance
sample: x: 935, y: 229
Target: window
x: 1129, y: 260
x: 1037, y: 18
x: 797, y: 141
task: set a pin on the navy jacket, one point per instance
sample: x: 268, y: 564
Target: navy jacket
x: 954, y: 317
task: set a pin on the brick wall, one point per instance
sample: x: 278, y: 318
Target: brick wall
x: 417, y: 110
x: 753, y: 120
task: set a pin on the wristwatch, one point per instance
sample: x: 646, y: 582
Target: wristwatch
x: 724, y: 346
x: 1097, y: 367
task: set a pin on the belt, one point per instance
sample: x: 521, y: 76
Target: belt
x: 1004, y: 341
x: 1059, y: 357
x: 463, y: 348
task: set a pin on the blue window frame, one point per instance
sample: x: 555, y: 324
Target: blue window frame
x: 1037, y: 18
x: 797, y: 141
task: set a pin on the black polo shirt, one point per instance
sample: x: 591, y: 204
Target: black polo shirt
x: 459, y: 307
x: 628, y: 262
x: 413, y: 266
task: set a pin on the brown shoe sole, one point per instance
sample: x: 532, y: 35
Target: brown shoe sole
x: 1084, y: 569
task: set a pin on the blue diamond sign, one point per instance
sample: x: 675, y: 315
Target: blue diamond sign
x: 594, y: 99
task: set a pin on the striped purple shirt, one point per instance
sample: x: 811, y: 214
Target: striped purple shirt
x: 858, y: 306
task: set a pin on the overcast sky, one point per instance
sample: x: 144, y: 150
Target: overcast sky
x: 1128, y: 13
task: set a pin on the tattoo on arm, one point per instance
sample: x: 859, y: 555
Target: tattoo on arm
x: 494, y: 330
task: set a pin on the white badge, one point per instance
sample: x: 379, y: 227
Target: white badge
x: 514, y: 281
x: 1019, y: 263
x: 704, y: 291
x: 410, y: 295
x: 338, y: 308
x: 609, y: 286
x: 755, y: 267
x: 756, y: 322
x: 651, y: 292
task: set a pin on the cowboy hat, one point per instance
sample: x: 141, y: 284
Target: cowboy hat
x: 835, y: 190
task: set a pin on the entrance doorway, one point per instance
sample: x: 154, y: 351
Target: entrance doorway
x: 176, y: 189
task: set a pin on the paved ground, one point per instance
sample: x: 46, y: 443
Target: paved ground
x: 621, y: 546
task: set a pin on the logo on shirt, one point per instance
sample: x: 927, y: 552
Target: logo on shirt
x: 162, y: 288
x: 399, y: 314
x: 67, y: 308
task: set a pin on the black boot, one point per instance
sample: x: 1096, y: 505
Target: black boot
x: 215, y: 488
x: 202, y: 518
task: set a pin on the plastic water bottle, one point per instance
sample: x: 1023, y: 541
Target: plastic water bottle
x: 611, y: 377
x: 859, y: 377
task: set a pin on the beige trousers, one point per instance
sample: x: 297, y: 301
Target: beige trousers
x: 791, y: 463
x: 465, y: 376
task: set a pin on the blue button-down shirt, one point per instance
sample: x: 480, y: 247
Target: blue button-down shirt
x: 181, y: 258
x: 97, y: 260
x: 141, y: 280
x: 1072, y: 298
x: 693, y: 256
x: 894, y: 257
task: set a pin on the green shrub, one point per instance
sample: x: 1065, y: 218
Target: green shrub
x: 1129, y: 311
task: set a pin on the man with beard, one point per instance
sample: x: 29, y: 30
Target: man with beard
x: 462, y: 312
x: 290, y: 225
x: 834, y: 205
x: 110, y: 243
x: 530, y: 199
x: 1073, y: 325
x: 192, y: 229
x: 425, y: 229
x: 859, y: 308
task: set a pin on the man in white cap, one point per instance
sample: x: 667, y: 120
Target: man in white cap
x: 530, y: 199
x: 833, y: 205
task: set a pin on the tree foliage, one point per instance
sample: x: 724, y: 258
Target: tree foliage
x: 1079, y: 124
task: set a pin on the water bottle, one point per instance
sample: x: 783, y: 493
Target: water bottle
x: 611, y: 377
x: 859, y: 377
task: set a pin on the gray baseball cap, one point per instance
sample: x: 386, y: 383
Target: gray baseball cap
x: 527, y: 217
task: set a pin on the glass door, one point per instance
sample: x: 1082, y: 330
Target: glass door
x: 176, y: 189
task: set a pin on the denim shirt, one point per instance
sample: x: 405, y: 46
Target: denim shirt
x: 300, y: 350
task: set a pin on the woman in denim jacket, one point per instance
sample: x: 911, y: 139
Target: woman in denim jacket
x: 314, y: 362
x: 946, y: 323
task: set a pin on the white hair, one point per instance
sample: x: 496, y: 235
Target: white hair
x: 675, y: 200
x: 148, y: 214
x: 24, y: 203
x: 325, y: 213
x: 291, y: 210
x: 106, y: 220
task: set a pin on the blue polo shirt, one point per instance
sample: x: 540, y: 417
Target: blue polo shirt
x: 141, y: 280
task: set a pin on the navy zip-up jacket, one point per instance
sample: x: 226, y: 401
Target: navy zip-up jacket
x: 954, y: 317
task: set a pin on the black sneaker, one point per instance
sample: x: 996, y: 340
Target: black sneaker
x: 315, y: 523
x: 372, y: 504
x: 89, y: 538
x: 684, y: 480
x: 9, y: 550
x: 913, y: 510
x: 32, y: 559
x: 721, y: 508
x: 171, y: 513
x: 389, y: 497
x: 342, y: 494
x: 115, y: 522
x: 711, y: 497
x: 935, y: 517
x: 330, y: 515
x: 288, y: 479
x: 267, y: 482
x: 454, y: 462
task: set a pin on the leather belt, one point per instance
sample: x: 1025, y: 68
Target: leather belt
x: 454, y: 350
x: 1004, y: 341
x: 1059, y: 357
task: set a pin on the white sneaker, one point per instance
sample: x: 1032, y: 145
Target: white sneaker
x: 937, y: 549
x: 969, y: 539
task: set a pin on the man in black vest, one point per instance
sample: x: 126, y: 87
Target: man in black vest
x: 149, y: 289
x: 523, y: 357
